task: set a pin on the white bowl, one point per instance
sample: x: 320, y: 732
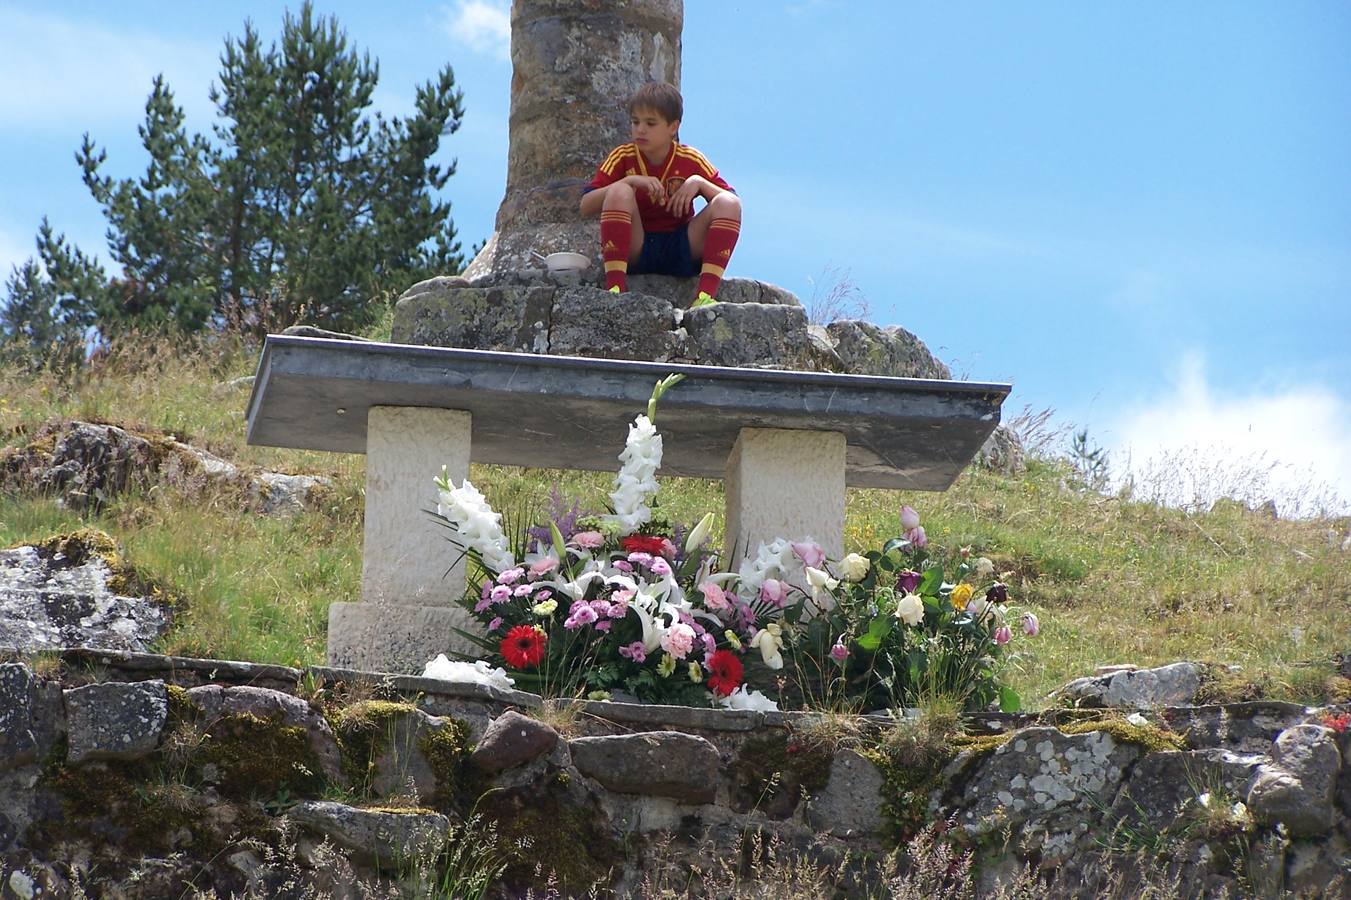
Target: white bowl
x: 566, y: 262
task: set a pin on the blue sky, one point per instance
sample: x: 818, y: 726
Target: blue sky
x: 1139, y: 214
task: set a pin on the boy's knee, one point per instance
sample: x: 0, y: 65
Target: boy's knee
x: 619, y: 194
x: 726, y: 204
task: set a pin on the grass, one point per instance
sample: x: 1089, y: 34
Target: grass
x: 1113, y: 580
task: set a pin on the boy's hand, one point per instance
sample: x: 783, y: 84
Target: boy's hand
x: 682, y: 201
x: 656, y: 191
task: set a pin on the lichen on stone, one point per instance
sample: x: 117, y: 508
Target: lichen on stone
x: 1149, y: 737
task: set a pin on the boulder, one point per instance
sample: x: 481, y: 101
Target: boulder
x: 385, y: 839
x: 1003, y: 452
x: 512, y: 740
x: 1044, y: 786
x: 747, y: 335
x: 441, y: 313
x: 1298, y: 786
x: 680, y: 292
x: 1175, y: 684
x: 851, y: 802
x: 116, y: 720
x: 656, y: 763
x: 218, y: 703
x: 18, y: 742
x: 62, y: 595
x: 401, y: 764
x: 277, y: 494
x: 868, y: 349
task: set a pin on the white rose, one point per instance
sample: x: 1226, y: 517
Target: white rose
x: 853, y: 567
x: 984, y: 568
x: 910, y: 609
x: 817, y: 579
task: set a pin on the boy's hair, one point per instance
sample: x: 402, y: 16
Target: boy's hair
x: 659, y: 96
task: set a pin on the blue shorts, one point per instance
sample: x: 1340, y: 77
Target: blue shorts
x: 666, y: 253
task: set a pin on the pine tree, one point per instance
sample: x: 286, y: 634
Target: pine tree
x: 300, y: 206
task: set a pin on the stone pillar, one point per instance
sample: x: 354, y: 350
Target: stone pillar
x: 574, y: 65
x: 785, y: 483
x: 409, y: 599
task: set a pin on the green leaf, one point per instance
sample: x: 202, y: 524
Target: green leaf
x: 930, y: 581
x: 1009, y: 701
x: 877, y: 629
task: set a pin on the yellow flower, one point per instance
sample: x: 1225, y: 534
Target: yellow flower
x: 960, y: 595
x: 696, y: 672
x: 666, y: 665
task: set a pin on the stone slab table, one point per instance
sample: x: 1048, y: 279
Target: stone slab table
x: 786, y: 443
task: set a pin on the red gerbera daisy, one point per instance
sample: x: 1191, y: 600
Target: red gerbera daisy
x: 643, y: 543
x: 724, y: 672
x: 523, y: 647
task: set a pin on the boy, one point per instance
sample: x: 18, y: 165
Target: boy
x: 644, y: 193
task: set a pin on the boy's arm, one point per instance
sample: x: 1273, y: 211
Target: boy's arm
x: 594, y: 198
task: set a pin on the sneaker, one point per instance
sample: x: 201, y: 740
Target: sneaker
x: 703, y: 300
x: 616, y: 290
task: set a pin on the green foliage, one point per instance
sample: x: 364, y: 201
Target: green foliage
x: 299, y: 206
x: 51, y: 305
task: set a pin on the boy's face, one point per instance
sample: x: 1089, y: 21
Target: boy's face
x: 650, y: 131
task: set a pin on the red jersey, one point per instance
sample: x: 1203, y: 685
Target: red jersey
x: 681, y: 163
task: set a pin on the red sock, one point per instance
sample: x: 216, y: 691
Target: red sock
x: 718, y: 245
x: 616, y: 233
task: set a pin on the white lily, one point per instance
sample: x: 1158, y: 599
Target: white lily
x: 698, y: 534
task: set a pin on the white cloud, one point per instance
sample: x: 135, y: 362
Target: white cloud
x: 481, y: 25
x: 1195, y: 443
x: 58, y: 70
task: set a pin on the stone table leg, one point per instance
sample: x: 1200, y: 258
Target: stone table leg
x: 408, y: 599
x: 785, y: 483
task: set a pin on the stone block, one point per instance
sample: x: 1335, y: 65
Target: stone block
x: 680, y: 292
x: 219, y: 704
x: 1298, y: 786
x: 591, y: 322
x: 1175, y: 684
x: 511, y: 318
x: 656, y: 763
x: 393, y: 841
x: 406, y: 556
x: 784, y: 483
x: 747, y: 334
x: 851, y: 803
x: 393, y: 638
x: 511, y: 740
x: 116, y: 720
x: 18, y: 743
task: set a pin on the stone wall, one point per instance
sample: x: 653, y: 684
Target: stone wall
x: 138, y: 775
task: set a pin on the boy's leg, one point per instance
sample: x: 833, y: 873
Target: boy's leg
x: 621, y: 235
x: 713, y: 235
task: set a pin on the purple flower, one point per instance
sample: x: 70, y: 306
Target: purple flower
x: 511, y: 576
x: 909, y: 518
x: 622, y: 566
x: 1002, y: 635
x: 998, y: 593
x: 774, y: 592
x: 601, y: 607
x: 661, y: 567
x: 809, y: 552
x: 604, y: 626
x: 640, y: 558
x: 710, y: 645
x: 522, y: 590
x: 907, y: 581
x: 917, y: 537
x: 1030, y: 624
x: 579, y: 614
x: 839, y: 652
x: 501, y: 594
x: 495, y: 624
x: 635, y: 651
x: 483, y: 604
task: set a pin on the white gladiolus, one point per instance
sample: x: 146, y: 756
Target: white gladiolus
x: 910, y: 609
x: 477, y: 525
x: 753, y: 700
x: 636, y: 482
x: 818, y: 580
x: 854, y: 567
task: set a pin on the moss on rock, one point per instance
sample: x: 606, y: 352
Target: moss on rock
x: 551, y: 838
x: 772, y: 772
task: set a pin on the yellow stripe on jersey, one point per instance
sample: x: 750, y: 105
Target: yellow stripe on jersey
x: 699, y: 158
x: 615, y: 158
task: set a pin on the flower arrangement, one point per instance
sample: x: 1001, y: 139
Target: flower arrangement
x: 614, y: 605
x: 890, y: 628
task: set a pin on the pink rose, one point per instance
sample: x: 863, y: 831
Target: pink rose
x: 1002, y: 635
x: 678, y: 640
x: 909, y: 518
x: 774, y: 591
x: 810, y: 553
